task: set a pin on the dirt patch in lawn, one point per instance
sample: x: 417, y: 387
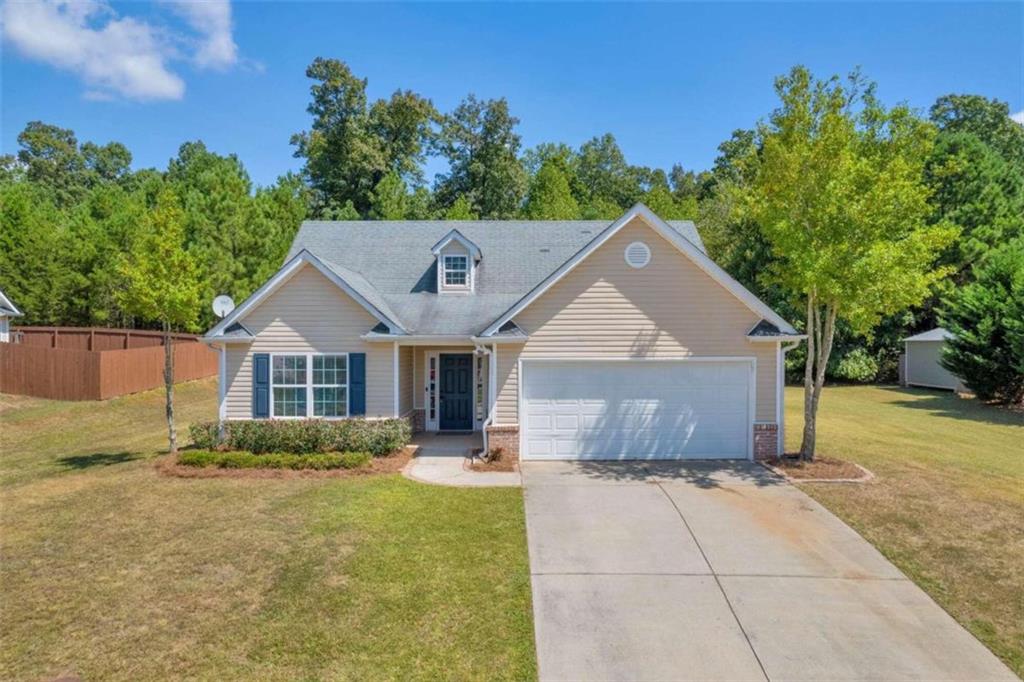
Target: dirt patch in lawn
x: 821, y: 469
x: 392, y: 464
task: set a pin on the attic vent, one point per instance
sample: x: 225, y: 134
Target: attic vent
x: 637, y: 255
x: 545, y: 250
x: 584, y: 231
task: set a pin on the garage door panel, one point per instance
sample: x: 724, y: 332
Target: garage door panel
x: 643, y: 410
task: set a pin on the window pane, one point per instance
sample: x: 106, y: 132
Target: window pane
x: 289, y: 402
x: 329, y: 402
x: 455, y: 270
x: 329, y: 370
x: 289, y: 369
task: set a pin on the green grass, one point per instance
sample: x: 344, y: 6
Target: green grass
x: 111, y: 571
x: 947, y: 505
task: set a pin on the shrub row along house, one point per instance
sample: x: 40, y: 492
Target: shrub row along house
x: 557, y: 339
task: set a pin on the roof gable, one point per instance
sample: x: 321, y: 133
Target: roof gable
x: 351, y: 283
x: 696, y: 255
x: 7, y: 306
x: 456, y: 236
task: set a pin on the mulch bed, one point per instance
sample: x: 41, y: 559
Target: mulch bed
x: 392, y: 464
x: 821, y: 469
x: 506, y: 463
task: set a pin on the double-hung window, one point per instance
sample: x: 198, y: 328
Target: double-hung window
x: 330, y: 385
x: 456, y: 271
x: 289, y: 380
x: 310, y: 385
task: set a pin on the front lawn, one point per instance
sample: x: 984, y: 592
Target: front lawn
x: 109, y: 570
x: 947, y: 506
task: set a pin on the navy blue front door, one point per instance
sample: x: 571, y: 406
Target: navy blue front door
x: 456, y: 392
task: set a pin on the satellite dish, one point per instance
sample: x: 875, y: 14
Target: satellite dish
x: 222, y: 305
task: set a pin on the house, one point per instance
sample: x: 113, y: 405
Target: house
x: 557, y: 339
x: 921, y: 356
x: 7, y: 311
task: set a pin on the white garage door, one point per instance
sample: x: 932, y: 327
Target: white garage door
x: 637, y: 410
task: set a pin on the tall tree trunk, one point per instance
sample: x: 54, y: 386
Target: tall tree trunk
x: 172, y: 434
x: 821, y: 327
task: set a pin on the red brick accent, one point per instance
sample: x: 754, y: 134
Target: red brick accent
x: 766, y: 440
x: 504, y: 436
x: 418, y: 420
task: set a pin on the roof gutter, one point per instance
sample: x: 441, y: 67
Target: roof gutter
x: 797, y: 338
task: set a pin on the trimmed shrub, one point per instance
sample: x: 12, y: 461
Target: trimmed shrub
x: 379, y: 437
x: 205, y: 435
x: 240, y: 459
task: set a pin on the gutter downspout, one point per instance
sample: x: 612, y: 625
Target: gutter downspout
x: 780, y: 409
x: 222, y: 376
x: 492, y: 372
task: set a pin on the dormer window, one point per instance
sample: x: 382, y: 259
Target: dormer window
x: 456, y: 271
x: 457, y: 258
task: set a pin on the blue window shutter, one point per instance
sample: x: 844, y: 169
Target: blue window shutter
x: 357, y: 384
x: 260, y: 385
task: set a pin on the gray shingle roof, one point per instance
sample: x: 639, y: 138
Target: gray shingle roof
x: 391, y: 265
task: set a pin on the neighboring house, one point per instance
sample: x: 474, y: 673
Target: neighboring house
x: 7, y: 311
x: 558, y: 339
x: 922, y: 353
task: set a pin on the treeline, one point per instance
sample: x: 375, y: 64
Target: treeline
x: 70, y: 211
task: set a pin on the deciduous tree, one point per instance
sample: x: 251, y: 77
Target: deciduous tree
x: 837, y: 191
x: 162, y: 282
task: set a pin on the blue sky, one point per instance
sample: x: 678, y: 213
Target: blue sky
x: 670, y: 81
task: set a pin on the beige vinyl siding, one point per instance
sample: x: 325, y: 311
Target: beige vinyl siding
x: 923, y: 368
x: 507, y: 378
x: 309, y: 314
x: 405, y: 379
x: 606, y: 309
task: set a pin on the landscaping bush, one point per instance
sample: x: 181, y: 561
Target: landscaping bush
x: 240, y: 459
x: 379, y: 437
x: 205, y: 435
x: 857, y: 366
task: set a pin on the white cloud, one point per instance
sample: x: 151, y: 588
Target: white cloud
x: 212, y: 20
x: 120, y: 56
x: 1018, y: 117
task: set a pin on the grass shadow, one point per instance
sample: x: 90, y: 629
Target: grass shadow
x: 948, y: 404
x: 97, y: 459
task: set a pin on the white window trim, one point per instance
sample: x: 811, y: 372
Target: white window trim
x: 435, y: 423
x: 428, y: 423
x: 442, y: 286
x: 309, y: 385
x: 445, y: 269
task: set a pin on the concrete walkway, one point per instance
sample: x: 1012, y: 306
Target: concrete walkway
x: 721, y: 572
x: 443, y: 460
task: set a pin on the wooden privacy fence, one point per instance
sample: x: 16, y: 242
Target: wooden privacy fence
x: 72, y: 373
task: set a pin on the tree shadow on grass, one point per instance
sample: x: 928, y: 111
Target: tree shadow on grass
x: 97, y: 459
x: 948, y: 404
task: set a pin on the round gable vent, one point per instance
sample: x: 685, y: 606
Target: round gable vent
x: 638, y: 255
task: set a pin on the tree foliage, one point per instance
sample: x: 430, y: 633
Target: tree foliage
x: 479, y: 141
x: 550, y: 197
x: 838, y: 192
x: 986, y: 319
x: 352, y: 144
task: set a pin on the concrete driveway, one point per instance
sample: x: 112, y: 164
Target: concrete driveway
x: 721, y: 572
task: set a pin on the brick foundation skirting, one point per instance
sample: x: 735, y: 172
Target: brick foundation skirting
x: 766, y: 440
x: 504, y: 436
